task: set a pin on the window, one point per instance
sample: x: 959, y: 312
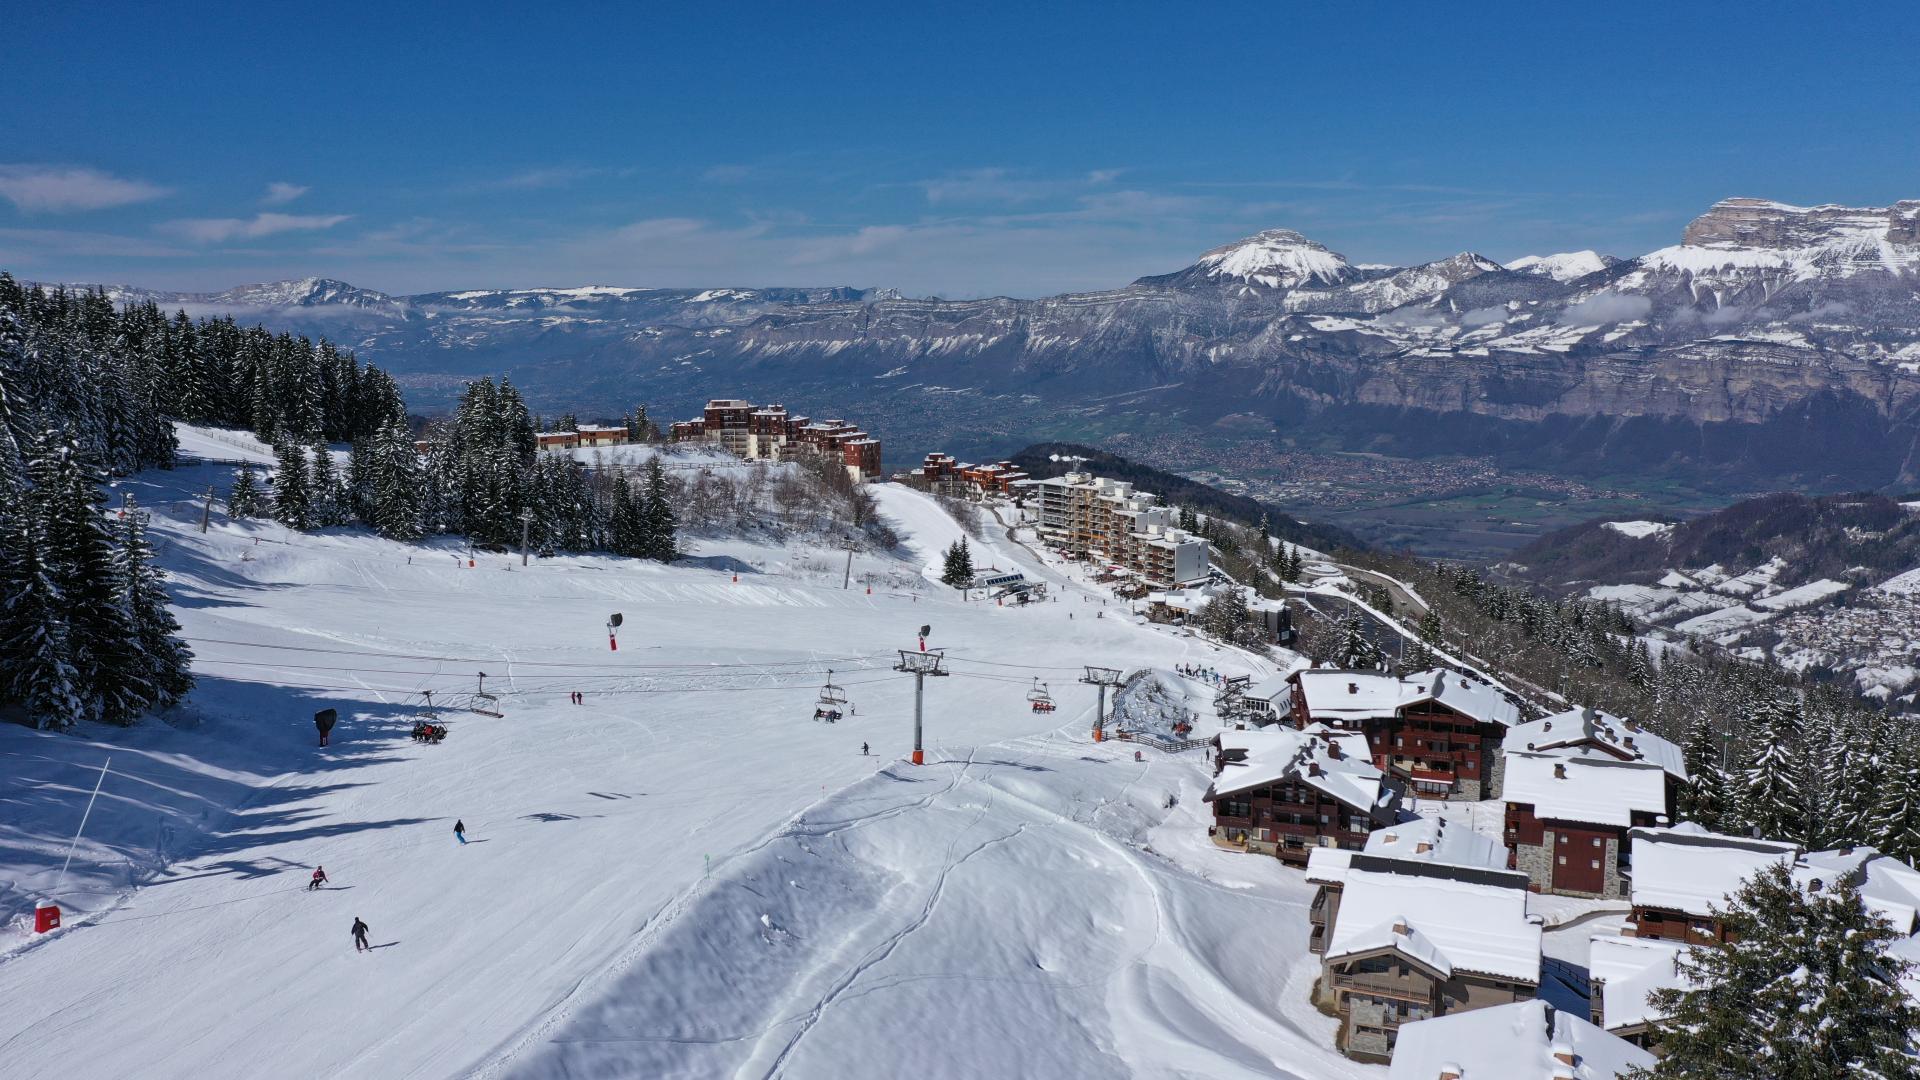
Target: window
x: 1596, y: 841
x: 1563, y: 839
x: 1563, y: 860
x: 1596, y: 864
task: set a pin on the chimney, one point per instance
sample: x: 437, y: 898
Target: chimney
x: 1400, y: 925
x: 1546, y: 725
x: 1632, y: 724
x: 1313, y: 768
x: 1563, y: 1051
x: 1450, y: 1071
x: 1559, y: 772
x: 1422, y: 848
x: 1628, y: 743
x: 1391, y: 838
x: 1333, y: 750
x: 1353, y: 688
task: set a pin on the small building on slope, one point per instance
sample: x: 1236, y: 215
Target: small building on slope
x: 1591, y: 732
x: 1623, y: 973
x: 1408, y: 946
x: 1681, y: 874
x: 1283, y: 792
x: 1567, y: 818
x: 1529, y: 1040
x: 1405, y: 846
x: 1438, y: 730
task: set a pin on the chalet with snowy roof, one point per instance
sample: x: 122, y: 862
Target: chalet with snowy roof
x: 1528, y: 1040
x: 1681, y: 874
x: 1183, y: 606
x: 1440, y: 731
x: 1415, y: 942
x: 601, y: 434
x: 1283, y: 792
x: 1623, y: 973
x: 1567, y: 818
x: 1888, y: 887
x: 1591, y: 732
x: 1406, y: 847
x: 950, y: 477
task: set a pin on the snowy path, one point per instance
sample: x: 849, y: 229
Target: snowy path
x: 595, y: 826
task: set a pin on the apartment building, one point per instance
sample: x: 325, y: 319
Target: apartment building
x: 1107, y: 519
x: 771, y: 433
x: 948, y: 476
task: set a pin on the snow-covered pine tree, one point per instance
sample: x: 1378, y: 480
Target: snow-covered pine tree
x: 167, y: 660
x: 623, y: 524
x: 396, y: 485
x: 1356, y: 649
x: 1805, y: 990
x: 328, y: 494
x: 958, y: 571
x: 292, y: 493
x: 1773, y: 797
x: 657, y: 514
x: 245, y: 500
x: 112, y: 678
x: 1893, y: 823
x: 34, y: 637
x: 1704, y: 798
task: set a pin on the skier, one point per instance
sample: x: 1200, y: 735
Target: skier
x: 863, y: 749
x: 360, y: 936
x: 460, y: 831
x: 318, y: 879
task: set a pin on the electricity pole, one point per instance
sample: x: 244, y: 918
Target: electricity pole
x: 206, y: 512
x: 847, y: 580
x: 526, y: 519
x: 1101, y: 677
x: 919, y: 665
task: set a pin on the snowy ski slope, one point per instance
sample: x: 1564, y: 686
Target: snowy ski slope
x: 685, y: 876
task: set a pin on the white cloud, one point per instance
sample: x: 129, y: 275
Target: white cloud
x: 1603, y: 308
x: 279, y: 193
x: 221, y: 230
x: 60, y: 188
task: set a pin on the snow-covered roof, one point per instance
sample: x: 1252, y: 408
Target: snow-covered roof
x: 1691, y: 870
x: 1463, y: 695
x: 1631, y: 969
x: 1512, y: 1042
x: 1888, y: 887
x: 1277, y: 754
x: 1271, y: 688
x: 1423, y: 840
x: 1468, y: 926
x: 1589, y: 790
x: 1603, y: 732
x: 1350, y: 694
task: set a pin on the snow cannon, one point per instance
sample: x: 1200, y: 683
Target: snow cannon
x: 46, y: 916
x: 613, y: 623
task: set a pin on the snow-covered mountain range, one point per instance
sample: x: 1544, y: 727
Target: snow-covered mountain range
x: 1775, y: 342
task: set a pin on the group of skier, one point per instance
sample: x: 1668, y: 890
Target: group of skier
x: 319, y: 879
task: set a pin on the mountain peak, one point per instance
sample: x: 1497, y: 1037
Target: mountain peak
x: 1276, y: 258
x: 304, y: 292
x: 1565, y: 266
x: 1762, y: 223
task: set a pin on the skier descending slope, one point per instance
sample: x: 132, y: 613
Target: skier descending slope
x: 319, y: 878
x: 460, y: 831
x: 360, y: 936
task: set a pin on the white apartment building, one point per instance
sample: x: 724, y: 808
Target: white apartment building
x: 1086, y: 514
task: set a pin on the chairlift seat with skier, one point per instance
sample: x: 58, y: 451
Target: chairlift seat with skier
x: 1042, y: 701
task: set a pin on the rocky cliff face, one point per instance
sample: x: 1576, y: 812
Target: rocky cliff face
x: 1773, y: 344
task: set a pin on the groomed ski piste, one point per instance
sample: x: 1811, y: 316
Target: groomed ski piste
x: 685, y: 876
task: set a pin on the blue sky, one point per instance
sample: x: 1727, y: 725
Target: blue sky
x: 960, y: 151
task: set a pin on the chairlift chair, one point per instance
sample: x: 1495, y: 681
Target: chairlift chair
x: 1042, y: 701
x: 831, y: 694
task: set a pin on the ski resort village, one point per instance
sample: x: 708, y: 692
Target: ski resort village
x: 346, y: 743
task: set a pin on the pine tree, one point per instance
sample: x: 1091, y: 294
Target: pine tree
x: 1805, y: 991
x: 1356, y: 649
x: 166, y: 660
x: 656, y: 513
x: 328, y: 496
x: 292, y: 495
x: 1705, y: 798
x: 396, y: 494
x: 112, y: 680
x: 245, y: 500
x: 1773, y: 799
x: 34, y: 636
x: 1893, y: 825
x: 958, y: 571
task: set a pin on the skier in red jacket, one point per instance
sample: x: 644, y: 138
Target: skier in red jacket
x: 319, y: 878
